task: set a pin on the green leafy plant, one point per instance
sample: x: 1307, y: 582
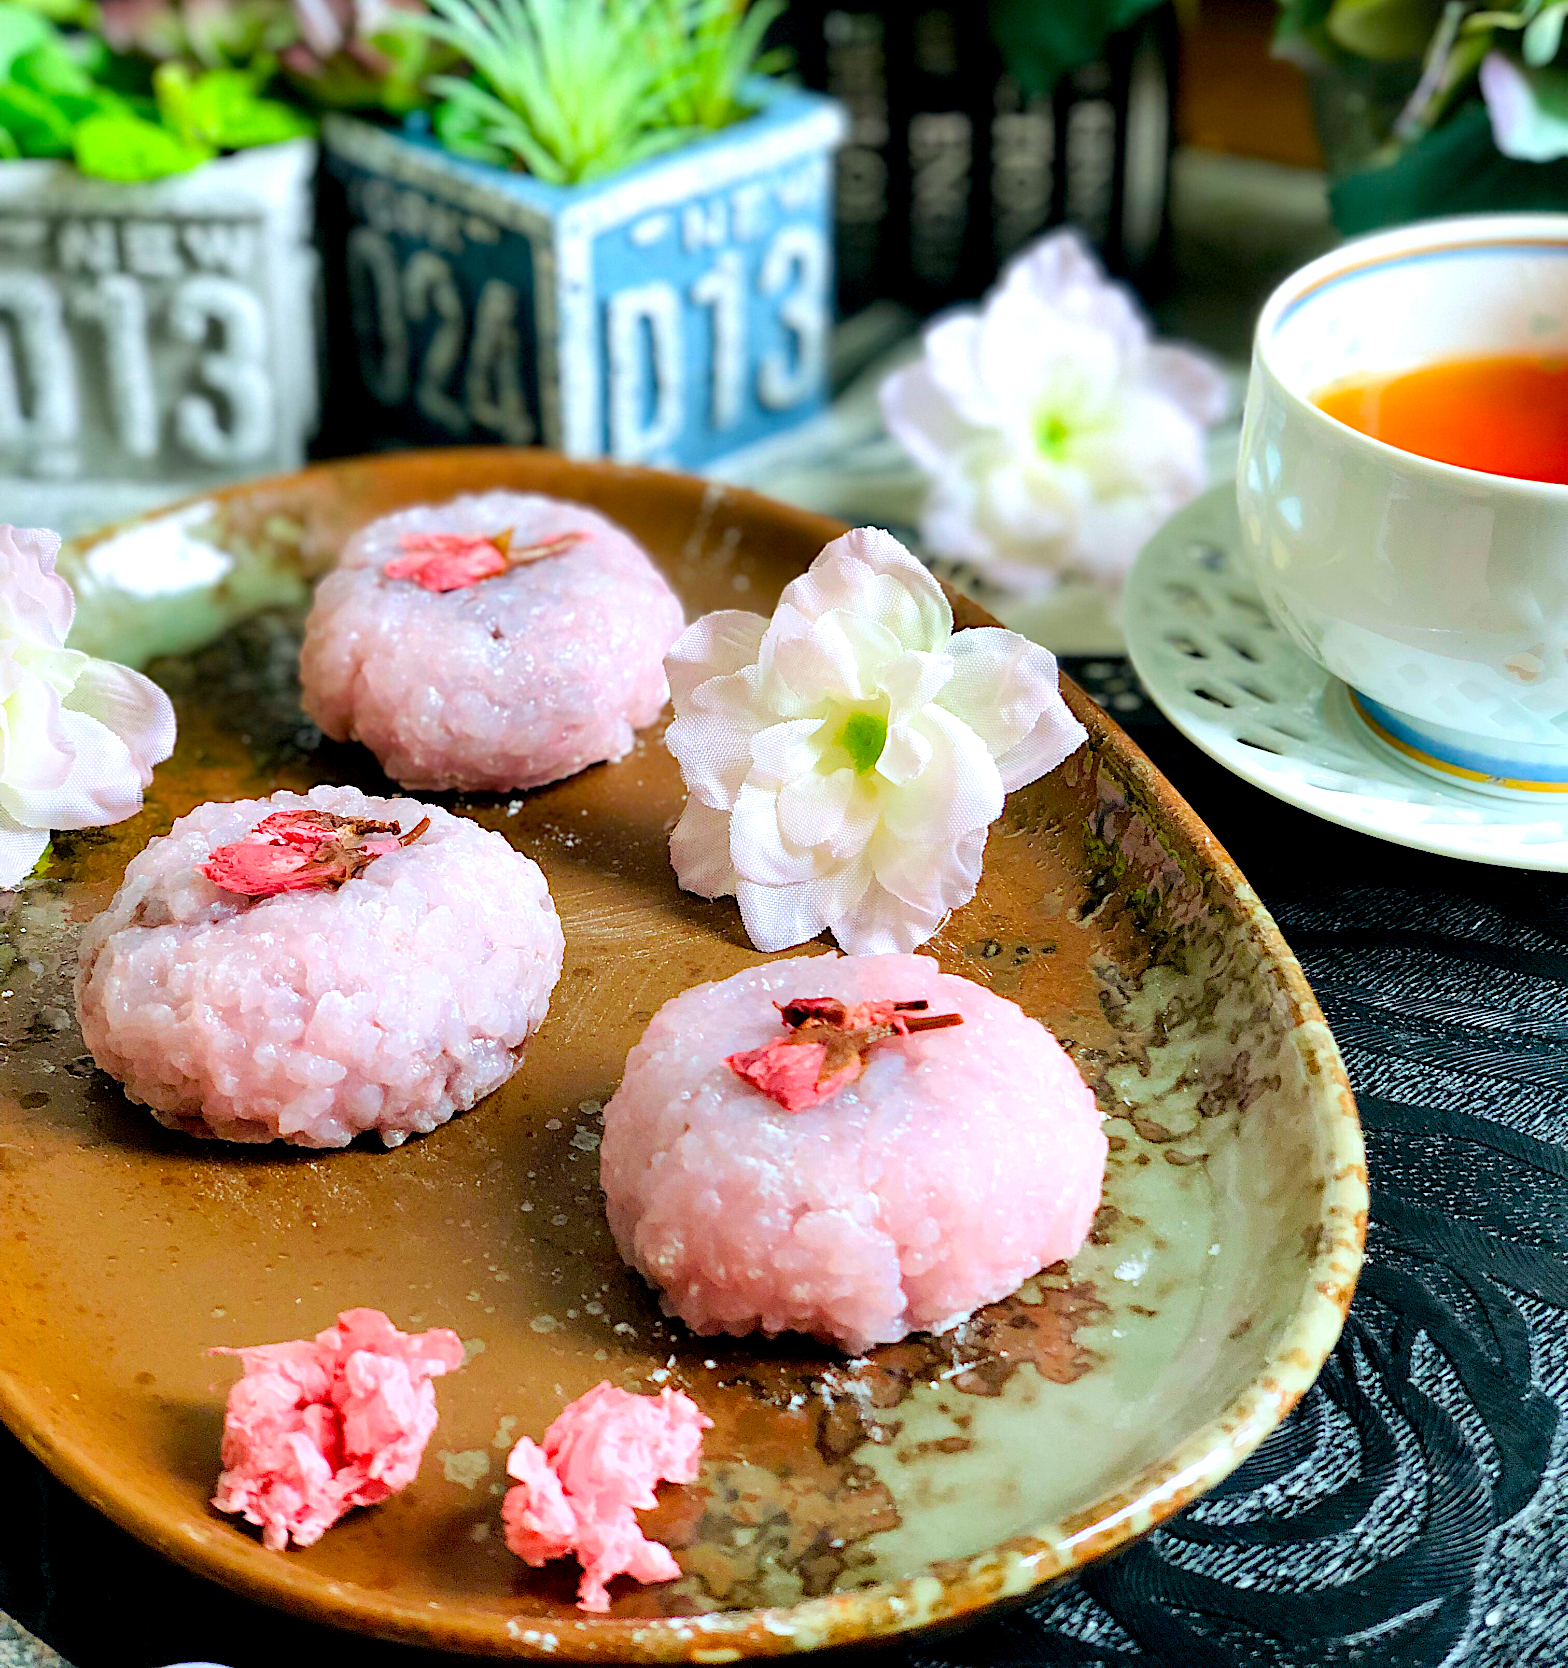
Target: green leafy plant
x: 66, y: 95
x: 1459, y: 97
x: 1043, y: 40
x: 576, y: 90
x: 713, y: 46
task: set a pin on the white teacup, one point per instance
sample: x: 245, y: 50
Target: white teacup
x: 1439, y: 594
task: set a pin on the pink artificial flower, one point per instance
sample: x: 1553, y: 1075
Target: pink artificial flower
x: 600, y: 1462
x: 320, y: 1425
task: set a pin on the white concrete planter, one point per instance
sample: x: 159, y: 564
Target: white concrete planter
x: 155, y: 339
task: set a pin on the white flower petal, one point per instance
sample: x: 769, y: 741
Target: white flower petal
x: 711, y: 738
x: 784, y: 751
x: 700, y: 851
x: 878, y: 924
x: 718, y: 643
x: 869, y: 573
x: 959, y: 790
x: 816, y: 659
x: 1061, y: 271
x: 912, y: 681
x: 812, y: 809
x: 1151, y: 448
x: 920, y: 416
x: 35, y: 603
x: 758, y: 849
x: 933, y: 884
x: 37, y: 751
x: 1006, y: 690
x: 130, y: 705
x: 20, y: 849
x: 1189, y: 381
x: 78, y: 737
x: 1117, y: 530
x: 103, y: 784
x: 905, y: 754
x: 951, y: 345
x: 778, y: 917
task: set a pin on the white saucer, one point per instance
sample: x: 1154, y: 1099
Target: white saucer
x: 1235, y: 685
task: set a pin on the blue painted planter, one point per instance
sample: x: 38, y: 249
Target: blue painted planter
x: 671, y: 315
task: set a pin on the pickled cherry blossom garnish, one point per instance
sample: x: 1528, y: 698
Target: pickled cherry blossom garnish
x: 303, y: 851
x: 454, y: 561
x: 828, y: 1046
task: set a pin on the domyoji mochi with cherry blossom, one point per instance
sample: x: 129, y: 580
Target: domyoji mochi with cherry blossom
x: 307, y: 968
x: 856, y: 1147
x: 498, y: 641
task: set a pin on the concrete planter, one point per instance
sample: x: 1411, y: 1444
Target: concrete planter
x: 671, y: 315
x: 155, y: 339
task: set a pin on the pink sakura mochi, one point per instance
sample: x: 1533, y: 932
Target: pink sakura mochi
x: 600, y: 1462
x: 500, y: 682
x: 960, y: 1162
x: 323, y: 1424
x: 386, y: 1004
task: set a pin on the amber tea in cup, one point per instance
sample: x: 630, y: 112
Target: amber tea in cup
x: 1403, y: 491
x: 1506, y: 414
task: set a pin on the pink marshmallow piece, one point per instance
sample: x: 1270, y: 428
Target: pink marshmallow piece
x: 317, y: 1426
x: 600, y: 1462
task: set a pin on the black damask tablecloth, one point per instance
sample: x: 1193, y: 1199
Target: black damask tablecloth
x: 1412, y: 1512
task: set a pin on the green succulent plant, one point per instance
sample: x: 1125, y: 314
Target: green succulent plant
x: 576, y: 90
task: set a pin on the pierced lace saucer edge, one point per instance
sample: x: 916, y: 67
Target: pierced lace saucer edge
x: 1236, y: 686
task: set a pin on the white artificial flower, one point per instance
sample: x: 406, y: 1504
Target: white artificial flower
x: 1054, y: 434
x: 845, y: 759
x: 78, y: 737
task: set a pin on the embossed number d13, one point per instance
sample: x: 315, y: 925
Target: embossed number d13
x: 225, y: 416
x: 647, y: 352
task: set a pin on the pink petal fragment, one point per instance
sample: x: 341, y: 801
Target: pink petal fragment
x: 787, y: 1072
x: 600, y: 1462
x: 299, y: 851
x: 539, y: 1520
x: 446, y: 561
x: 318, y: 1426
x: 453, y: 561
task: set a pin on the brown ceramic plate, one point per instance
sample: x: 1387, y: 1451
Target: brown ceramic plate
x: 838, y: 1500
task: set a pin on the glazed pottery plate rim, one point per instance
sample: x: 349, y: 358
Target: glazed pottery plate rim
x: 946, y: 1592
x: 1212, y: 518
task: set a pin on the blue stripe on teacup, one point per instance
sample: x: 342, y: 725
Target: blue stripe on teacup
x: 1455, y: 760
x: 1446, y: 251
